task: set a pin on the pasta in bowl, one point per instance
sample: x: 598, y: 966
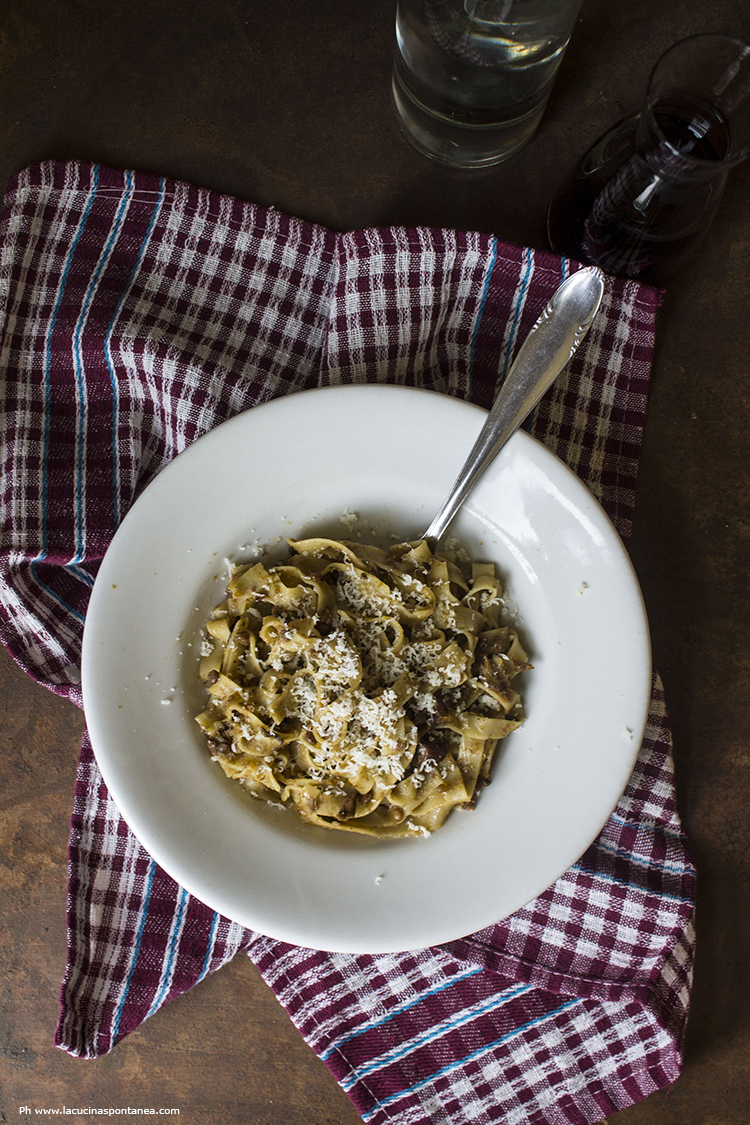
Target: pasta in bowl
x: 290, y: 468
x: 364, y: 689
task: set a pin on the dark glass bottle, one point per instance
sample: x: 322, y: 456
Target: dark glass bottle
x: 643, y: 197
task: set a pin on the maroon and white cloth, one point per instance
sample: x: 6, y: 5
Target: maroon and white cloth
x: 135, y: 314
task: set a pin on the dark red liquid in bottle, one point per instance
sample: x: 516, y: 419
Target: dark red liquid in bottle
x: 642, y: 199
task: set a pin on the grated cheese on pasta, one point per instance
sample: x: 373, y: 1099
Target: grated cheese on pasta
x: 364, y: 689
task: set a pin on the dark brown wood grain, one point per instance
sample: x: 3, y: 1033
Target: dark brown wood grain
x: 288, y: 104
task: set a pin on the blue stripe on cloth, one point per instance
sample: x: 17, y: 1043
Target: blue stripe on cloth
x: 108, y: 353
x: 53, y: 594
x: 392, y: 1098
x: 435, y: 1032
x: 136, y: 949
x: 401, y: 1009
x: 48, y: 360
x: 79, y: 573
x: 80, y: 460
x: 519, y: 300
x: 480, y: 310
x: 177, y: 923
x: 209, y: 950
x: 672, y: 868
x: 528, y: 424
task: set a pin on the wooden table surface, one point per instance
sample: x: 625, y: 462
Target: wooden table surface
x: 288, y: 103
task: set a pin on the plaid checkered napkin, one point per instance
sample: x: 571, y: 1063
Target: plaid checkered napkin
x: 136, y: 314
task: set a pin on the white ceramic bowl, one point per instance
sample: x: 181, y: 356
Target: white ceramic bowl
x: 294, y: 467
